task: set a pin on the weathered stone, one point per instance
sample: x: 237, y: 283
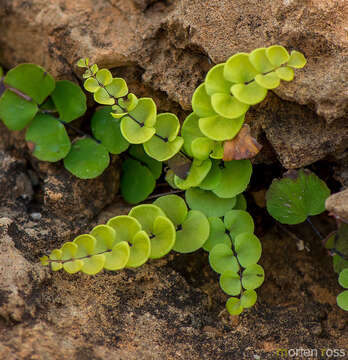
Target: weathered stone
x: 298, y: 136
x: 172, y: 43
x: 338, y: 204
x: 18, y: 278
x: 176, y: 42
x: 14, y: 182
x: 68, y: 197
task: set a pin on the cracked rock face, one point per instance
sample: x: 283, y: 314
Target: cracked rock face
x: 174, y: 43
x: 19, y: 278
x: 170, y: 308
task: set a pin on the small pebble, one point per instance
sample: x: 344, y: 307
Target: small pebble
x: 36, y: 216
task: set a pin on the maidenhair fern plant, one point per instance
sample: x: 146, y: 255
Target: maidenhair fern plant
x: 215, y: 218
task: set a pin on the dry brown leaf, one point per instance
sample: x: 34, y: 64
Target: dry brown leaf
x: 243, y: 146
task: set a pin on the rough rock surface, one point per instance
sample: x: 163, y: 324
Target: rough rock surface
x: 168, y: 309
x: 20, y: 278
x: 174, y: 43
x: 338, y: 204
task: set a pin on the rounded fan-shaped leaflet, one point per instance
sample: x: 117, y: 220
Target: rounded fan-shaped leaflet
x: 253, y: 277
x: 217, y: 234
x: 296, y: 60
x: 259, y: 60
x: 117, y: 88
x: 342, y: 300
x: 277, y: 55
x: 213, y: 178
x: 101, y: 96
x: 285, y: 201
x: 129, y: 229
x: 119, y: 257
x: 241, y: 203
x: 198, y: 171
x: 221, y: 258
x: 235, y: 178
x: 70, y: 264
x: 163, y: 239
x: 128, y: 103
x: 202, y: 147
x: 140, y: 250
x: 16, y: 112
x: 145, y: 112
x: 92, y: 263
x: 268, y: 81
x: 137, y: 181
x: 137, y: 152
x: 193, y: 234
x: 69, y: 99
x: 219, y: 128
x: 248, y: 299
x: 56, y: 254
x: 125, y: 227
x: 167, y: 126
x: 250, y: 94
x: 238, y: 69
x: 91, y: 85
x: 159, y: 228
x: 162, y: 150
x: 116, y: 252
x: 228, y: 106
x: 87, y: 159
x: 48, y: 137
x: 237, y: 222
x: 215, y: 81
x: 234, y: 306
x: 248, y: 249
x: 297, y: 195
x: 343, y: 278
x: 104, y: 77
x: 146, y: 215
x: 285, y: 73
x: 32, y: 80
x: 174, y: 207
x: 105, y: 236
x: 107, y: 130
x: 190, y: 131
x: 201, y: 104
x: 230, y: 282
x: 208, y: 203
x: 137, y: 127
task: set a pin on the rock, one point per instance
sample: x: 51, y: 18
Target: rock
x: 173, y: 44
x: 19, y: 279
x: 68, y: 197
x: 14, y: 182
x: 172, y: 308
x: 298, y: 136
x: 338, y: 204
